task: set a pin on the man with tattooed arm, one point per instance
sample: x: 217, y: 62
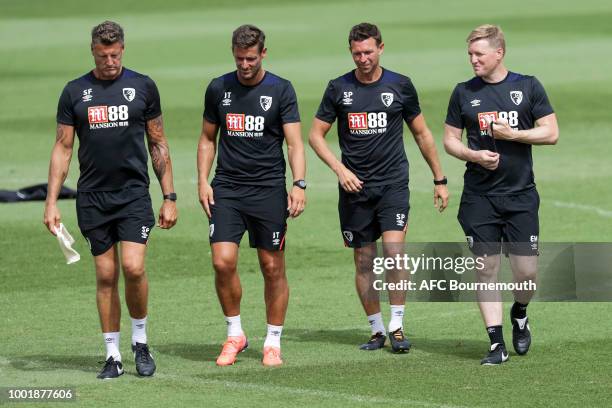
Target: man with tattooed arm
x: 110, y: 109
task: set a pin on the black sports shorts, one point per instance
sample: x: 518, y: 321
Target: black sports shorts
x: 107, y: 217
x: 487, y: 221
x: 260, y: 210
x: 365, y: 215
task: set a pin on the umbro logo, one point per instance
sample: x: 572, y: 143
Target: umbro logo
x: 227, y: 99
x: 475, y: 103
x: 347, y: 99
x: 87, y: 96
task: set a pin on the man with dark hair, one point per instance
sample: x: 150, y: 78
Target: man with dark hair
x: 504, y: 113
x: 371, y: 104
x: 253, y: 111
x: 110, y: 109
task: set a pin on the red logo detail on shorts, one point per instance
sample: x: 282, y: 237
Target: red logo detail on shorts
x: 358, y: 121
x: 97, y: 114
x: 235, y: 121
x: 485, y: 118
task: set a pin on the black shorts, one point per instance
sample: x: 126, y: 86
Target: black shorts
x: 107, y: 217
x: 365, y: 215
x: 487, y: 221
x: 260, y: 210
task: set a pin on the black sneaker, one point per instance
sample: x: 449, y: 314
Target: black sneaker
x: 377, y: 341
x: 145, y: 365
x: 111, y: 369
x: 521, y: 335
x: 496, y: 356
x: 399, y: 343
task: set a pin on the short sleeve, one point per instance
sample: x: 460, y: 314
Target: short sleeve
x: 153, y: 103
x: 211, y: 112
x: 289, y: 107
x: 65, y: 111
x: 411, y: 108
x: 540, y: 106
x: 453, y: 113
x: 327, y: 108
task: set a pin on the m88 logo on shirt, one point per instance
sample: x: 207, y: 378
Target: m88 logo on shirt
x: 485, y: 119
x: 241, y: 125
x: 364, y: 123
x: 104, y: 116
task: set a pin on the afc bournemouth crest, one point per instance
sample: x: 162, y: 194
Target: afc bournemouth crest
x: 517, y: 97
x: 265, y: 102
x: 348, y: 235
x: 129, y: 94
x: 387, y: 98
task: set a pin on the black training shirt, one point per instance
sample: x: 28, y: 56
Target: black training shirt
x: 251, y: 120
x: 109, y: 118
x: 370, y: 124
x: 519, y: 99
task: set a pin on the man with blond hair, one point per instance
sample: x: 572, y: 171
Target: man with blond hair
x: 504, y: 114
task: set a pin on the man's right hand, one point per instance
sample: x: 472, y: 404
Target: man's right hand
x: 487, y: 159
x: 52, y: 217
x: 348, y: 180
x: 205, y: 192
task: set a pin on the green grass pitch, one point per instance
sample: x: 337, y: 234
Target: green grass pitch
x: 49, y: 333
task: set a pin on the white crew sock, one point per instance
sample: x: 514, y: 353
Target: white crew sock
x: 234, y: 327
x: 376, y: 323
x: 397, y: 317
x: 274, y: 336
x: 111, y: 340
x: 139, y: 330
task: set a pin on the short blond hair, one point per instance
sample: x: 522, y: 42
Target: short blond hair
x: 489, y: 32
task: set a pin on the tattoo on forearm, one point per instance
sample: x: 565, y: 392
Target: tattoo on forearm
x: 158, y: 147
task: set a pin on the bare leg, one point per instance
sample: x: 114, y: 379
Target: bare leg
x: 276, y: 292
x: 524, y: 269
x: 364, y: 278
x: 393, y: 244
x: 107, y: 293
x: 489, y: 302
x: 136, y: 282
x: 227, y: 281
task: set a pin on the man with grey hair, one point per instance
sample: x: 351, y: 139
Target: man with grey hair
x: 504, y: 114
x: 110, y: 109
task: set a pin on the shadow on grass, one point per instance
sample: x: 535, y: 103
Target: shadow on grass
x: 201, y: 352
x: 352, y: 337
x: 50, y: 363
x: 462, y: 348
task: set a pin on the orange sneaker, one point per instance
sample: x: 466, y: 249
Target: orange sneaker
x: 272, y: 356
x: 232, y: 346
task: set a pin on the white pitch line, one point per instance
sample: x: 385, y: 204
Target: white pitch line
x: 309, y: 392
x: 584, y: 207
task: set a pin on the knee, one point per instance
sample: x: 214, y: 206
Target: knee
x: 488, y: 272
x: 134, y: 271
x: 224, y: 266
x: 272, y: 269
x: 107, y: 279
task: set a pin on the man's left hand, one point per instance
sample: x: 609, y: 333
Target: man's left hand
x: 296, y: 200
x: 167, y: 214
x: 440, y: 197
x: 502, y: 130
